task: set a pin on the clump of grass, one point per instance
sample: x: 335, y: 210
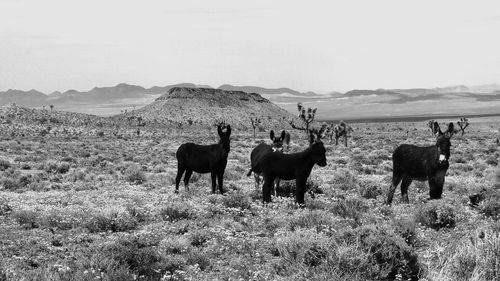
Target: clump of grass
x: 112, y: 221
x: 349, y: 208
x: 436, y: 215
x: 4, y: 164
x: 312, y: 219
x: 176, y: 211
x: 199, y: 237
x: 134, y: 174
x: 174, y: 244
x: 26, y: 218
x: 491, y: 207
x: 344, y: 179
x: 236, y: 200
x: 5, y: 208
x: 369, y: 189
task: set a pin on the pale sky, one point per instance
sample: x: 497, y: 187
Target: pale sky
x: 305, y: 45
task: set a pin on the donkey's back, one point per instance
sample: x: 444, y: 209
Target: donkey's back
x: 199, y: 158
x: 413, y: 160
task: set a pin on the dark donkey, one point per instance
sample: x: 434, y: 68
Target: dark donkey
x: 411, y: 162
x: 260, y: 150
x: 204, y: 159
x: 296, y: 166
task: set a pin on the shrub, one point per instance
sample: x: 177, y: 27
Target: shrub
x: 200, y: 258
x: 436, y: 215
x: 113, y: 221
x: 369, y: 189
x: 4, y: 207
x: 10, y: 184
x: 344, y: 179
x: 491, y: 207
x: 349, y: 208
x: 175, y: 212
x: 134, y: 174
x: 62, y: 168
x: 236, y: 200
x: 4, y: 164
x: 406, y: 229
x: 388, y: 255
x: 174, y: 244
x: 26, y: 218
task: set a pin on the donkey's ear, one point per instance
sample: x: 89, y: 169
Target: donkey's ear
x: 219, y: 131
x: 271, y: 135
x: 436, y: 129
x: 451, y: 130
x: 283, y: 135
x: 311, y: 138
x: 228, y: 130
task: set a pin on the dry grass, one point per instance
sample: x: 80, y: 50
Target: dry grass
x: 82, y: 207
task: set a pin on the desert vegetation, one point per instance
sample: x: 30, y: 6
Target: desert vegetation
x: 78, y: 205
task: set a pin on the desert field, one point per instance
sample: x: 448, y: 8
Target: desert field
x: 97, y: 203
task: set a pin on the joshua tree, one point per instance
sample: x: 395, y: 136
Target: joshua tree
x: 463, y: 123
x: 430, y: 124
x: 340, y: 130
x: 307, y: 116
x: 255, y: 123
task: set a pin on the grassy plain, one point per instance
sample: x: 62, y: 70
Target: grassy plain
x: 98, y: 205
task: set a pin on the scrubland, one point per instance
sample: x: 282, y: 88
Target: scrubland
x: 101, y: 206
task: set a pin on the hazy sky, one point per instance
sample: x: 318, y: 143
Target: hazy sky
x: 305, y: 45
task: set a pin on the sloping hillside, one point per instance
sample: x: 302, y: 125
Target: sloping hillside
x: 204, y: 106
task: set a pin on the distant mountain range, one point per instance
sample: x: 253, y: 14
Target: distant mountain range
x: 350, y: 105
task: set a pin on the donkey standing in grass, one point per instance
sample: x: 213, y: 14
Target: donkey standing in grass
x: 296, y: 166
x: 204, y: 159
x: 410, y: 162
x: 260, y: 150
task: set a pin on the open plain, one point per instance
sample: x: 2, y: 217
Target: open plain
x: 96, y: 201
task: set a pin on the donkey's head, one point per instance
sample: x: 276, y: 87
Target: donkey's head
x: 317, y: 148
x: 443, y: 143
x: 277, y: 141
x: 224, y: 136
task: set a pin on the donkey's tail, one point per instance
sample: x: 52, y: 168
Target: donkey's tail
x: 250, y: 172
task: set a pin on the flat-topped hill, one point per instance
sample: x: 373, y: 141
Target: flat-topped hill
x: 205, y: 106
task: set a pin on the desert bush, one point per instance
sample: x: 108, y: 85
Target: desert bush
x: 174, y: 244
x: 198, y: 237
x: 4, y: 164
x: 134, y: 174
x: 237, y: 200
x: 388, y: 255
x: 112, y: 221
x: 11, y: 184
x: 491, y: 207
x: 26, y: 218
x: 5, y: 208
x: 474, y: 258
x: 317, y: 219
x: 198, y: 257
x: 436, y: 215
x: 176, y: 211
x: 406, y: 228
x: 130, y: 252
x: 344, y: 179
x: 349, y: 208
x: 369, y: 189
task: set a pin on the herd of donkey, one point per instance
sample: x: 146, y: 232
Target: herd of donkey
x: 410, y: 162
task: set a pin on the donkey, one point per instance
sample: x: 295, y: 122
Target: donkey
x: 296, y: 166
x: 204, y: 159
x: 260, y: 150
x: 410, y: 162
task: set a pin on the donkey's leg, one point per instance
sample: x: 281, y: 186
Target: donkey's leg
x: 404, y: 188
x: 300, y: 189
x: 396, y: 178
x: 436, y: 183
x: 187, y: 176
x: 180, y: 171
x: 266, y: 188
x: 220, y: 179
x: 213, y: 175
